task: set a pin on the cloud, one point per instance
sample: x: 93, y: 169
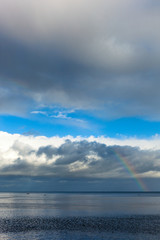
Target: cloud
x: 86, y: 159
x: 101, y: 56
x: 70, y: 157
x: 39, y: 112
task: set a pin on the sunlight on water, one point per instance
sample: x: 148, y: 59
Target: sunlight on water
x: 18, y: 204
x: 79, y: 216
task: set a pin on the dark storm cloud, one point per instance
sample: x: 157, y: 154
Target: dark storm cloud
x: 82, y: 159
x: 18, y: 167
x: 43, y: 184
x: 109, y: 157
x: 90, y: 55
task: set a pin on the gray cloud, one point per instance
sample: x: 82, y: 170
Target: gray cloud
x: 44, y: 184
x: 83, y: 159
x: 90, y: 55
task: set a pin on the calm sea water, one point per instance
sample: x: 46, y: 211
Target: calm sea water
x: 88, y: 216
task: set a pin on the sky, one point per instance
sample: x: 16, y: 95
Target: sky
x: 79, y: 95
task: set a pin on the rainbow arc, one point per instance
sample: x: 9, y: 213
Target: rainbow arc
x: 131, y: 170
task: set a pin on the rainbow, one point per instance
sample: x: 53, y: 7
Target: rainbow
x: 131, y: 171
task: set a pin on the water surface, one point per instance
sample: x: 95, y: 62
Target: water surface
x: 66, y: 216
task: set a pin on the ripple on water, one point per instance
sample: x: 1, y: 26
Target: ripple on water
x: 87, y: 228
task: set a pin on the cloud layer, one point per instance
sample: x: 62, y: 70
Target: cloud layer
x: 70, y: 157
x: 101, y: 55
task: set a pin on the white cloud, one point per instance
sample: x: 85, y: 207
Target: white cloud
x: 7, y: 140
x: 78, y: 157
x: 39, y: 112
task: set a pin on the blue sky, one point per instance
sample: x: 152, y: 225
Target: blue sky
x: 79, y: 85
x: 89, y: 125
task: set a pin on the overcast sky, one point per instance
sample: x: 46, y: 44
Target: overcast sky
x: 74, y: 69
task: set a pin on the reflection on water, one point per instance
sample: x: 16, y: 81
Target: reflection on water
x: 62, y: 204
x: 114, y: 210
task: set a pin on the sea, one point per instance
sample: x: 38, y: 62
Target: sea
x: 80, y: 216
